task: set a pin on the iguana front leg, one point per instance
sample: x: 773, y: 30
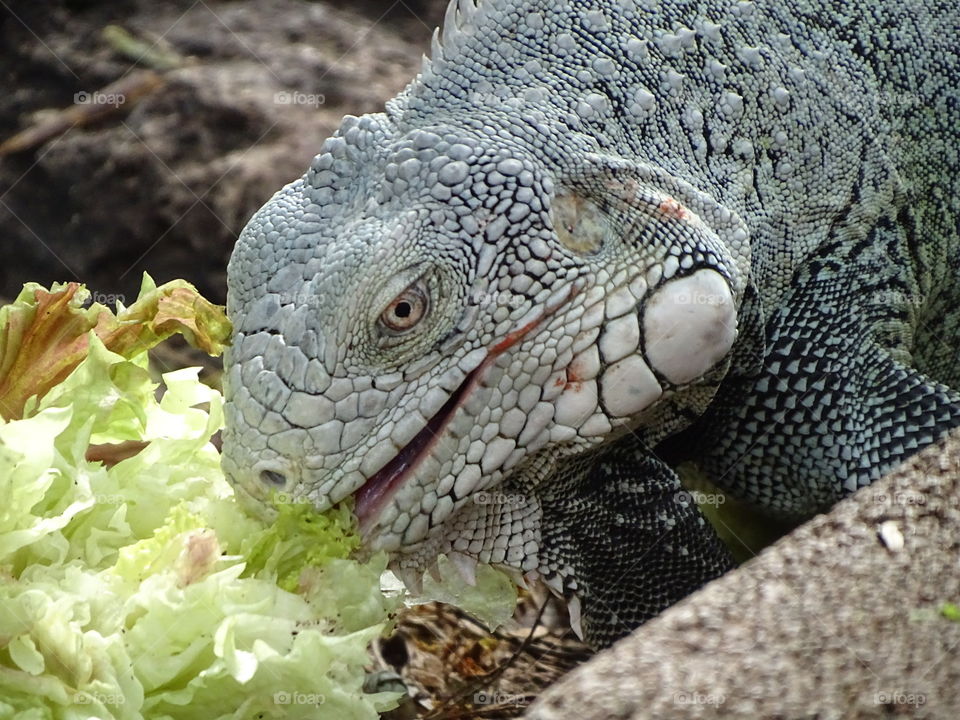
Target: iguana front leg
x: 632, y: 540
x: 611, y: 531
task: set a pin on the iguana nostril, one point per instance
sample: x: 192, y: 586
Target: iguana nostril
x: 272, y: 477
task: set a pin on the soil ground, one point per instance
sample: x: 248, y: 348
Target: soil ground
x: 236, y: 97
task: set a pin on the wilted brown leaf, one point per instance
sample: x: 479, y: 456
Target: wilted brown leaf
x: 45, y: 334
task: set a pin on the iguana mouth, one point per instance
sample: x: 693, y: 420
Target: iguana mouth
x: 380, y: 487
x: 374, y: 494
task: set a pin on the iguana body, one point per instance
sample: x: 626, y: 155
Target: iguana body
x: 590, y: 227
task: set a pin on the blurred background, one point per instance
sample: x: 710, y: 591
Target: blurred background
x: 140, y: 135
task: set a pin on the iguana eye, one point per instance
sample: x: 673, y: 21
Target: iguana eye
x: 407, y: 309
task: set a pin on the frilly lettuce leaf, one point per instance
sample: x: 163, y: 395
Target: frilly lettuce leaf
x: 142, y: 589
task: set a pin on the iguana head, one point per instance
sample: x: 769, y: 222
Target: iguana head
x: 431, y: 317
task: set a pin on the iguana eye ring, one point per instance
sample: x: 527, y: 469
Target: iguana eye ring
x: 407, y: 309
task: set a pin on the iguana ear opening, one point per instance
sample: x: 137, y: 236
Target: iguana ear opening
x: 579, y: 222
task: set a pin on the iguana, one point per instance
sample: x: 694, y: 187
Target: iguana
x: 592, y: 230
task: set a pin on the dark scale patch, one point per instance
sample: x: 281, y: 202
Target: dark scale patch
x: 644, y: 545
x: 832, y: 410
x: 936, y: 341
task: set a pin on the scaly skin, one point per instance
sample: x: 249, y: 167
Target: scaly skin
x: 591, y: 227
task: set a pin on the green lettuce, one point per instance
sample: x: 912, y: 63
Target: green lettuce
x: 141, y: 589
x: 132, y: 583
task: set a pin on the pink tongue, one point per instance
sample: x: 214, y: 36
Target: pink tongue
x: 371, y: 497
x: 377, y: 491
